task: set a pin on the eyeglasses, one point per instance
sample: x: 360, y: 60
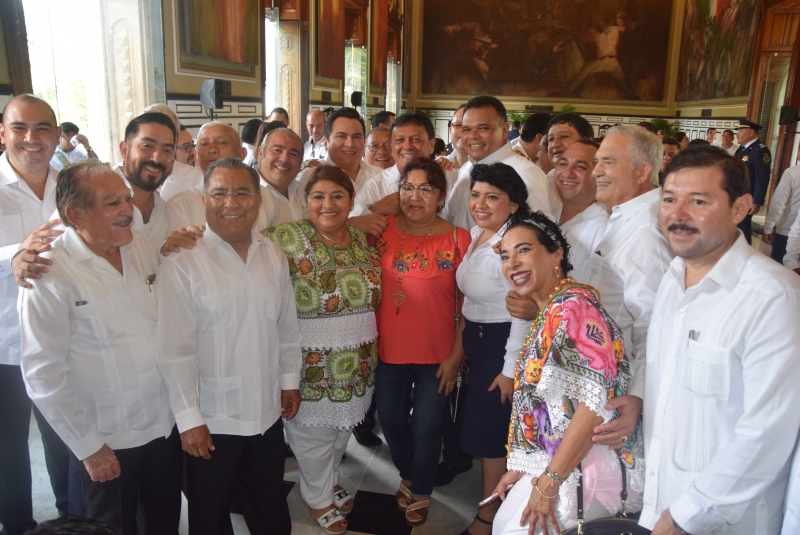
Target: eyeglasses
x: 374, y: 147
x: 406, y: 190
x: 239, y: 197
x: 187, y: 146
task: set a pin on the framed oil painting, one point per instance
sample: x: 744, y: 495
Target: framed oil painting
x: 216, y: 37
x: 579, y: 49
x: 717, y: 47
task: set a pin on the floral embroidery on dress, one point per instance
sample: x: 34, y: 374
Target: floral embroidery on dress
x: 445, y: 259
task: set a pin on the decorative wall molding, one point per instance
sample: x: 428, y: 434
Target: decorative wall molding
x: 233, y: 112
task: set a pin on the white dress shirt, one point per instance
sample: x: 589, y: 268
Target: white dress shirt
x: 791, y: 509
x: 78, y: 154
x: 314, y: 151
x: 365, y: 172
x: 583, y: 233
x: 21, y: 212
x: 89, y: 347
x: 164, y: 218
x: 516, y: 146
x: 785, y: 204
x: 228, y: 339
x: 189, y: 210
x: 553, y: 197
x: 731, y: 150
x: 457, y: 208
x: 182, y: 177
x: 626, y: 267
x: 280, y: 209
x: 480, y: 278
x: 385, y: 183
x: 721, y: 395
x: 250, y: 157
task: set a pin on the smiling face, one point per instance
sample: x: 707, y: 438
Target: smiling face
x: 410, y: 141
x: 527, y: 265
x: 147, y: 157
x: 181, y: 154
x: 215, y: 142
x: 378, y: 150
x: 280, y: 160
x: 329, y: 205
x: 617, y: 181
x: 230, y: 218
x: 346, y: 144
x: 490, y: 206
x: 696, y: 214
x: 30, y: 135
x: 417, y: 207
x: 483, y: 132
x: 455, y: 130
x: 559, y: 137
x: 109, y: 223
x: 574, y: 180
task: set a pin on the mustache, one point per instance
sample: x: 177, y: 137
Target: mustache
x: 127, y: 220
x: 681, y: 226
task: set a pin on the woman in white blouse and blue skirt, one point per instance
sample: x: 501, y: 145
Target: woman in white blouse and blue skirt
x: 492, y: 337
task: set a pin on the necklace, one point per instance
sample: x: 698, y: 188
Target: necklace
x: 329, y: 239
x: 398, y: 296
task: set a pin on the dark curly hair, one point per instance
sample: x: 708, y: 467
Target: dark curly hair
x: 547, y: 233
x: 506, y: 179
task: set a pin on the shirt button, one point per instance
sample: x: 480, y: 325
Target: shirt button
x: 652, y: 473
x: 480, y: 335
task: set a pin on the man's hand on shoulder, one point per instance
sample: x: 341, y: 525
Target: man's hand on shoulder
x: 389, y: 205
x: 184, y: 238
x: 374, y: 224
x: 28, y: 264
x: 446, y: 164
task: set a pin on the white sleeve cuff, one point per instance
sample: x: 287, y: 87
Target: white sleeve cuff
x: 189, y: 419
x: 690, y: 517
x: 88, y: 445
x: 290, y: 381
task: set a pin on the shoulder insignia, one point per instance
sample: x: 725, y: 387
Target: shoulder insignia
x: 745, y: 158
x: 767, y: 159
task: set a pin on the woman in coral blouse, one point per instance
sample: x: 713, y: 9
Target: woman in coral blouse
x: 417, y: 341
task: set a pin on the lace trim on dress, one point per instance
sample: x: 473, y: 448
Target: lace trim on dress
x: 341, y: 330
x: 326, y: 413
x: 559, y: 386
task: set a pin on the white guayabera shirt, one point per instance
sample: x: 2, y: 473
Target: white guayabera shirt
x: 721, y: 395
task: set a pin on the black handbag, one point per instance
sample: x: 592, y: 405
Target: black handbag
x: 615, y: 525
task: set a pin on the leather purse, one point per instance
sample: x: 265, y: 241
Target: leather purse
x: 615, y: 525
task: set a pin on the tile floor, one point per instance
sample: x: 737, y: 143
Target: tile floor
x: 367, y: 472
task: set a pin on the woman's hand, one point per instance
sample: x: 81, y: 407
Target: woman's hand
x: 509, y: 478
x: 506, y: 386
x: 540, y: 509
x: 447, y: 374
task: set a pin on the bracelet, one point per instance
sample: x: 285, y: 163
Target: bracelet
x: 680, y: 529
x: 553, y: 497
x: 555, y: 477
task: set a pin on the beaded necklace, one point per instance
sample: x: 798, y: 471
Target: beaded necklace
x: 398, y: 296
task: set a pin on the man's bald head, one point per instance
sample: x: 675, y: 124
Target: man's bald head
x: 217, y: 140
x: 30, y: 99
x: 315, y: 124
x: 30, y: 134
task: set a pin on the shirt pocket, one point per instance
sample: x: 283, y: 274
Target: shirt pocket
x: 220, y: 396
x: 215, y: 310
x: 10, y: 229
x: 708, y: 371
x: 120, y: 412
x: 97, y: 321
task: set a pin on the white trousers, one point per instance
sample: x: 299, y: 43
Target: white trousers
x: 319, y: 452
x: 506, y: 521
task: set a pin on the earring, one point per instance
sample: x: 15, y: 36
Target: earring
x: 557, y: 271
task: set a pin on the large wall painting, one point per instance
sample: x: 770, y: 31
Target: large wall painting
x: 218, y: 37
x: 717, y: 46
x: 581, y: 49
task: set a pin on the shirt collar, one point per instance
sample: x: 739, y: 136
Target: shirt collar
x: 726, y: 272
x: 264, y: 183
x: 632, y: 207
x: 497, y: 156
x: 9, y: 176
x: 211, y: 240
x: 750, y: 142
x: 78, y: 251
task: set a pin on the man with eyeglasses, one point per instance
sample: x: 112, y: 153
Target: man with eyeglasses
x: 229, y: 348
x: 379, y: 148
x: 459, y: 155
x: 185, y: 152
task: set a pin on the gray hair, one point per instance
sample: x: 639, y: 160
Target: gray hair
x: 219, y: 123
x: 69, y: 190
x: 643, y: 147
x: 378, y: 129
x: 232, y: 163
x: 291, y: 133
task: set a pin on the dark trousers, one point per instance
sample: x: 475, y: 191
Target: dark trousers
x: 746, y: 228
x: 415, y: 446
x: 150, y: 474
x: 16, y: 508
x: 779, y: 242
x: 451, y: 453
x: 368, y: 423
x: 253, y: 467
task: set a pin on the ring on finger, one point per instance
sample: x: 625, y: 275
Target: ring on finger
x: 624, y: 438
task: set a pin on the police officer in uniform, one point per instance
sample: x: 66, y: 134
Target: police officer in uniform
x: 757, y: 158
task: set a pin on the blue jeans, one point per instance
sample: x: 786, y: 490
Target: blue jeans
x: 415, y: 446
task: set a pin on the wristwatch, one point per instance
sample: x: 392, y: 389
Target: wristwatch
x: 680, y: 529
